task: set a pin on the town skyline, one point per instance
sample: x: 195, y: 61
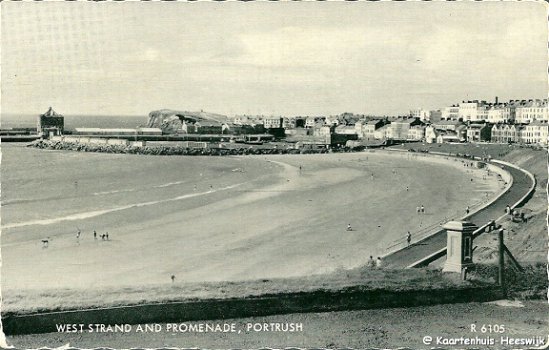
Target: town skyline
x: 293, y: 59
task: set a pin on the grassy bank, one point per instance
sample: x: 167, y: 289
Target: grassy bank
x: 29, y: 301
x: 531, y: 283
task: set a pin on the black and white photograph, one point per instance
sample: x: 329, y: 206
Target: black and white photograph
x: 274, y: 174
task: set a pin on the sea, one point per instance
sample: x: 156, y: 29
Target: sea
x: 76, y: 121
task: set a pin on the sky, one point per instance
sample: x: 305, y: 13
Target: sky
x: 281, y: 58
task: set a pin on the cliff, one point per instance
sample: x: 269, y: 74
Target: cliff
x: 170, y: 120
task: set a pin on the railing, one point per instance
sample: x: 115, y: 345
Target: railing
x: 491, y: 225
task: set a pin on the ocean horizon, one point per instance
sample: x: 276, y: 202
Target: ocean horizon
x: 13, y: 120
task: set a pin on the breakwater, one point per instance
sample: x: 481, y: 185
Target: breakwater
x: 139, y: 147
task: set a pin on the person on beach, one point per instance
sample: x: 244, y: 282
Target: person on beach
x: 94, y: 234
x: 173, y: 278
x: 103, y: 237
x: 408, y: 238
x: 349, y: 228
x: 467, y: 210
x: 78, y: 235
x: 418, y: 209
x: 422, y: 209
x: 45, y: 242
x: 379, y: 263
x: 406, y: 188
x: 371, y: 263
x: 107, y: 236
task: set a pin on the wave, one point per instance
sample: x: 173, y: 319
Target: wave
x: 170, y: 184
x: 95, y: 213
x: 8, y: 202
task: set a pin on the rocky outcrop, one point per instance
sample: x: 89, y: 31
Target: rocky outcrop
x: 171, y: 121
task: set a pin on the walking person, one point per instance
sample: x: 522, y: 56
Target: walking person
x: 107, y: 236
x: 94, y: 234
x: 408, y: 238
x: 422, y: 209
x: 467, y: 210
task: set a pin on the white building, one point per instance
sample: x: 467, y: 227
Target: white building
x: 421, y: 114
x: 536, y: 132
x: 272, y: 122
x: 495, y: 114
x: 532, y: 110
x: 450, y: 113
x: 416, y: 133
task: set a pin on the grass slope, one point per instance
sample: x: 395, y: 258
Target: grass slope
x: 27, y: 301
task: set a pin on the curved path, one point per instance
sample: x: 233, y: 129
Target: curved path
x: 436, y: 242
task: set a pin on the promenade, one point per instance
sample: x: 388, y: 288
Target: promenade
x: 436, y: 242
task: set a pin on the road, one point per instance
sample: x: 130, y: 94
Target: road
x: 416, y: 251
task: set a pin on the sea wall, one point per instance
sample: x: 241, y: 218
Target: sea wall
x: 354, y: 298
x: 188, y: 148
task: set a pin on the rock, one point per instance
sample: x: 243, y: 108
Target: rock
x: 171, y: 121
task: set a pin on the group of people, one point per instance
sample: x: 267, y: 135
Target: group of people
x: 104, y: 237
x: 374, y: 263
x: 420, y: 209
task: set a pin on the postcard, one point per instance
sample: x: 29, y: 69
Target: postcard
x: 250, y: 175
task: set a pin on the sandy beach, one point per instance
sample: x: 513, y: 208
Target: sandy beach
x: 214, y: 218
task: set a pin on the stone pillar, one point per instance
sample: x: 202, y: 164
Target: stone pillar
x: 459, y: 247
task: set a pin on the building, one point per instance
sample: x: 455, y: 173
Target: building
x: 506, y: 133
x: 448, y: 131
x: 532, y: 110
x: 272, y: 122
x: 310, y: 122
x: 288, y: 123
x: 369, y: 128
x: 421, y: 114
x: 382, y: 132
x: 472, y: 111
x: 482, y: 112
x: 450, y: 113
x: 509, y: 111
x: 447, y: 137
x: 495, y: 114
x: 479, y: 132
x: 416, y: 133
x: 451, y: 125
x: 50, y: 124
x: 399, y: 128
x: 431, y: 134
x: 536, y: 132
